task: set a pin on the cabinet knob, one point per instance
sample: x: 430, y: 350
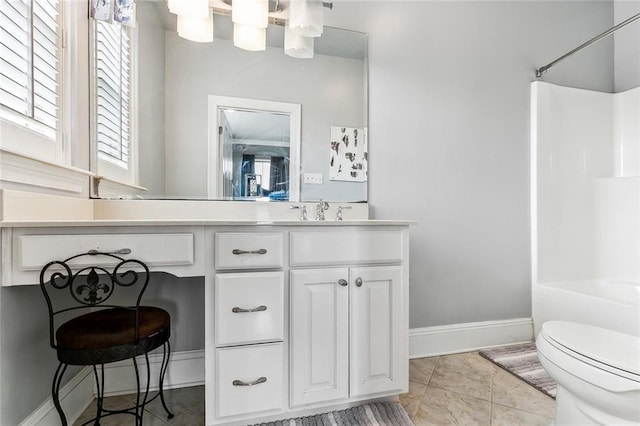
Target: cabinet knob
x: 359, y: 282
x: 255, y: 382
x: 343, y: 282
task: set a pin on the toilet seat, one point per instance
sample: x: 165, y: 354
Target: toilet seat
x: 607, y: 350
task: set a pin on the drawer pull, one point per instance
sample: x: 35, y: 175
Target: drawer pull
x: 256, y: 382
x: 238, y: 310
x: 121, y: 251
x: 260, y: 251
x: 343, y: 282
x: 359, y: 282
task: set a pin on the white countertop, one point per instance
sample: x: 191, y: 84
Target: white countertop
x: 23, y: 209
x: 197, y: 222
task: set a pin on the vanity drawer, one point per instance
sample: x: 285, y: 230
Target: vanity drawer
x: 249, y: 308
x: 34, y: 251
x: 250, y: 379
x: 248, y: 250
x: 340, y: 247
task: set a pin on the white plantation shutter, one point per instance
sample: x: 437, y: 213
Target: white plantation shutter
x: 29, y: 60
x: 113, y: 92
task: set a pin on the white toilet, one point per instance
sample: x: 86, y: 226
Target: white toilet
x: 597, y: 372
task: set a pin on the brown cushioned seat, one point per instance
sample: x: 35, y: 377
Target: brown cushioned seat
x: 111, y: 327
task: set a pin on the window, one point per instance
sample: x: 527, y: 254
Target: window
x: 113, y: 72
x: 30, y: 65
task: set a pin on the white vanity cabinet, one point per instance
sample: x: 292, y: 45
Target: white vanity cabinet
x: 343, y: 335
x: 348, y: 324
x: 300, y: 318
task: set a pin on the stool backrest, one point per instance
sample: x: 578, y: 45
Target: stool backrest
x: 89, y: 281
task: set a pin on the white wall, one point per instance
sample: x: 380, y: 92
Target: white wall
x: 329, y: 88
x: 627, y: 46
x: 449, y: 137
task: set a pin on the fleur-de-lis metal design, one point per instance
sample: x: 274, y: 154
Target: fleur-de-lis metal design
x: 92, y: 287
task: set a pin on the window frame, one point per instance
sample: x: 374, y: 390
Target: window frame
x: 124, y: 179
x: 22, y: 134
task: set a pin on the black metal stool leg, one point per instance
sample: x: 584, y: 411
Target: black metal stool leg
x: 166, y: 353
x: 138, y: 414
x: 99, y: 392
x: 146, y: 392
x: 55, y: 391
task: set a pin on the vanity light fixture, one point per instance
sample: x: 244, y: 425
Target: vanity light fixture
x: 250, y: 20
x: 194, y: 20
x: 196, y: 29
x: 297, y: 46
x: 306, y: 18
x: 191, y: 8
x: 251, y: 13
x: 249, y: 38
x: 303, y: 21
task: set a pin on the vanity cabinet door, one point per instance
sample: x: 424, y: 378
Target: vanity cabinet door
x: 378, y: 357
x: 348, y: 337
x: 319, y: 327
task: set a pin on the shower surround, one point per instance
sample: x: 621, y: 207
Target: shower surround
x: 585, y: 206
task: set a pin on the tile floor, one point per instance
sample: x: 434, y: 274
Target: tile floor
x: 460, y: 389
x: 466, y: 389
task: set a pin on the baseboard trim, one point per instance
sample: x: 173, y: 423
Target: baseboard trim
x: 185, y: 369
x: 75, y: 397
x: 456, y: 338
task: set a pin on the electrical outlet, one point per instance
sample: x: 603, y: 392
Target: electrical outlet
x: 313, y: 178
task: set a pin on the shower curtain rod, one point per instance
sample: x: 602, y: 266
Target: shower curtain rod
x: 599, y: 37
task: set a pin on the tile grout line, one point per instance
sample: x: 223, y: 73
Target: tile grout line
x: 521, y: 410
x: 493, y: 377
x: 427, y: 384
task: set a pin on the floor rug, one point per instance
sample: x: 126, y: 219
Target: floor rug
x: 379, y: 413
x: 521, y: 360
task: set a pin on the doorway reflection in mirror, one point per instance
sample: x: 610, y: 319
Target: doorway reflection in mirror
x: 256, y: 142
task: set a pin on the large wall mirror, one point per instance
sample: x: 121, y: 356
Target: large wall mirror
x: 176, y: 79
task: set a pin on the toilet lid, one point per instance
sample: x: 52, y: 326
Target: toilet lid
x: 611, y: 348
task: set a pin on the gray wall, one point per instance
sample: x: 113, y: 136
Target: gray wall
x: 329, y: 88
x: 627, y: 46
x: 449, y: 137
x: 151, y: 97
x: 27, y: 361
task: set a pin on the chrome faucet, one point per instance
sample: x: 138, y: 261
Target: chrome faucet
x: 320, y: 209
x: 339, y: 212
x: 303, y: 211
